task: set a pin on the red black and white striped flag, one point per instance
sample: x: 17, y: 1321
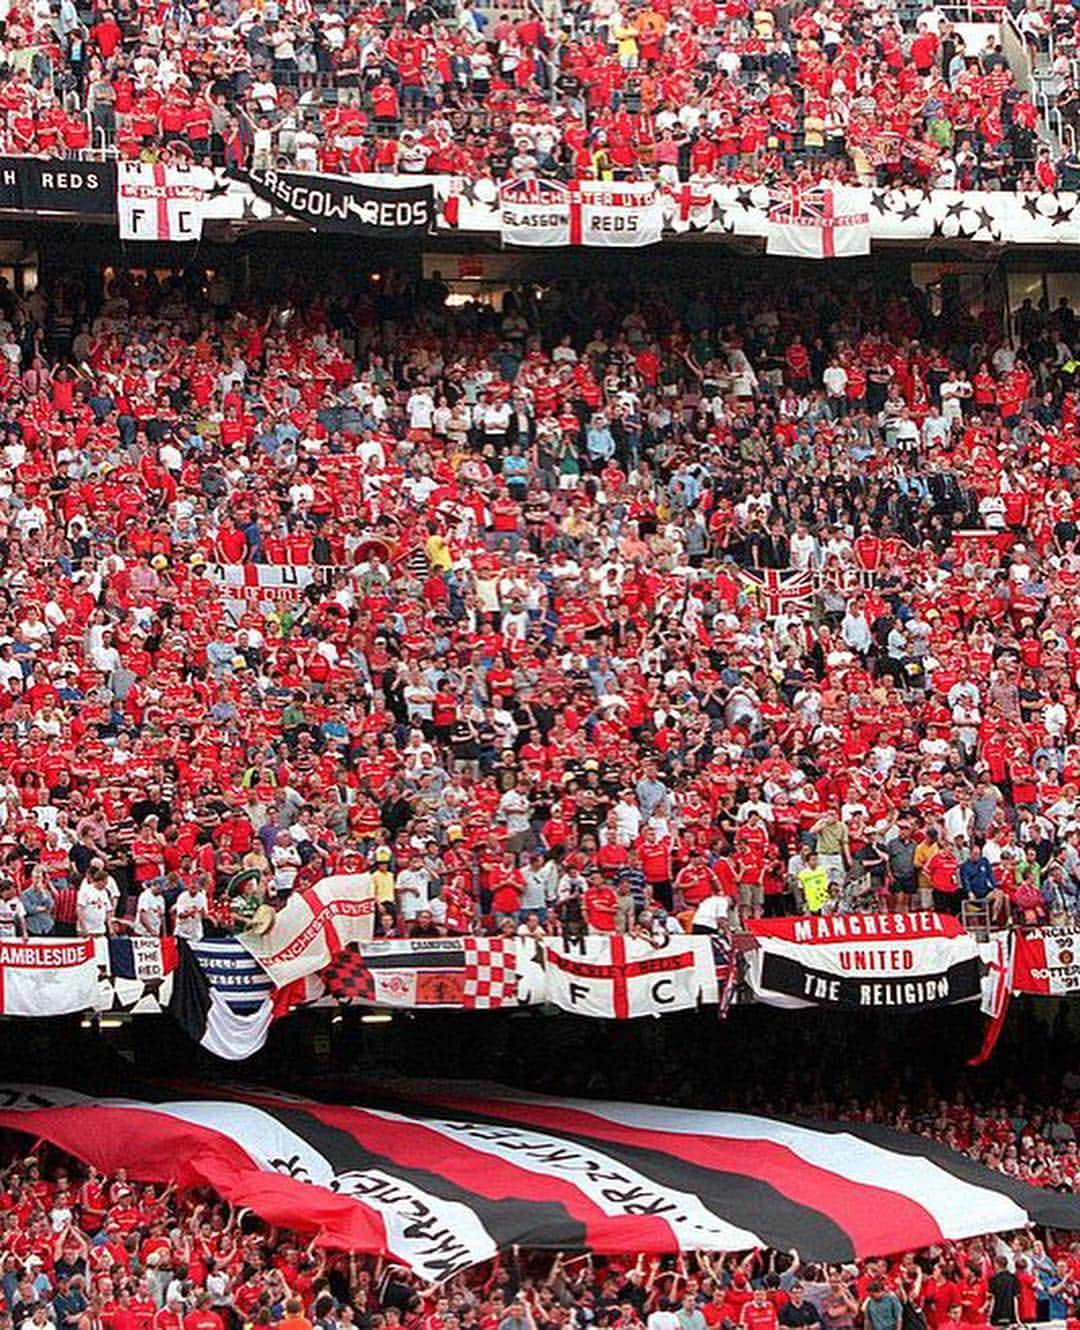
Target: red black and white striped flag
x: 441, y: 1177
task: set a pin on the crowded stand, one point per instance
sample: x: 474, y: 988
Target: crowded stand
x: 692, y: 91
x: 83, y: 1249
x: 634, y: 611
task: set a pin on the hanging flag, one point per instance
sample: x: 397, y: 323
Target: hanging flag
x: 620, y: 978
x: 1046, y: 961
x: 314, y: 926
x: 491, y: 979
x: 917, y: 960
x: 135, y: 974
x: 215, y: 1008
x: 534, y: 211
x: 779, y: 590
x: 399, y: 972
x: 158, y: 202
x: 466, y: 973
x: 234, y: 973
x: 805, y: 223
x: 997, y: 957
x: 441, y: 1176
x: 726, y: 962
x: 48, y: 976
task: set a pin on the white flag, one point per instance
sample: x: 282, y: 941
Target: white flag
x: 156, y: 202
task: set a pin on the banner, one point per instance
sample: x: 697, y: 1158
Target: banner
x: 620, y: 978
x: 267, y: 586
x: 35, y: 184
x: 347, y: 205
x: 47, y: 976
x: 157, y: 202
x: 234, y: 973
x: 807, y: 224
x: 467, y: 973
x: 534, y: 211
x: 1046, y: 961
x: 911, y: 961
x: 780, y: 590
x: 135, y: 974
x: 314, y: 926
x: 442, y: 1176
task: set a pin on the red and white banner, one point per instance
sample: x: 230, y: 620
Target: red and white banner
x: 1046, y: 961
x: 619, y: 978
x: 447, y: 1174
x: 314, y: 926
x: 48, y: 977
x: 909, y: 961
x: 270, y: 586
x: 603, y: 213
x: 805, y: 223
x: 156, y: 202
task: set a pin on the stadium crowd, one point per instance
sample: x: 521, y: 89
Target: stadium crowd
x: 670, y: 89
x: 638, y: 610
x: 93, y: 1252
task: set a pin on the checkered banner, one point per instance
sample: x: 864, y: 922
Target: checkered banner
x: 474, y: 973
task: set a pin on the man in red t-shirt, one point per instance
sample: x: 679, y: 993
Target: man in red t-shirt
x: 759, y: 1313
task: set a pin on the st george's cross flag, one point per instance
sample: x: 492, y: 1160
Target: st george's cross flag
x: 48, y: 976
x: 621, y: 978
x: 158, y: 202
x: 806, y: 222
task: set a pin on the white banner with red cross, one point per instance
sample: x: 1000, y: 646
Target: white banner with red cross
x: 619, y: 978
x: 806, y: 223
x: 157, y: 202
x: 603, y: 213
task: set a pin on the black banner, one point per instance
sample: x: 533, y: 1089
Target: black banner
x: 334, y: 203
x: 959, y: 983
x: 36, y: 184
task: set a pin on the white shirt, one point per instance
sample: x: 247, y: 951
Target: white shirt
x: 94, y: 905
x: 712, y: 912
x: 149, y: 914
x: 189, y: 919
x: 410, y: 881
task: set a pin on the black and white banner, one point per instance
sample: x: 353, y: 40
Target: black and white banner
x: 35, y: 184
x: 905, y: 961
x: 351, y: 205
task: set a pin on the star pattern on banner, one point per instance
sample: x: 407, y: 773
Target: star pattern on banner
x: 719, y: 217
x: 910, y: 211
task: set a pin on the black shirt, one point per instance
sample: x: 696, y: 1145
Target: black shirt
x: 1004, y: 1289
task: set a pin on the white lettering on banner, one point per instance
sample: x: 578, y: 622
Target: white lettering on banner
x: 610, y: 1184
x: 437, y: 1238
x: 829, y: 928
x: 69, y: 180
x: 48, y: 956
x: 912, y: 993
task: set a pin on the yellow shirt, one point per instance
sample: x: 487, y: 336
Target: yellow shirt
x: 438, y: 552
x: 815, y: 886
x: 383, y: 882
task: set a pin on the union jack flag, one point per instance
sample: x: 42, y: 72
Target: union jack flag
x: 780, y: 590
